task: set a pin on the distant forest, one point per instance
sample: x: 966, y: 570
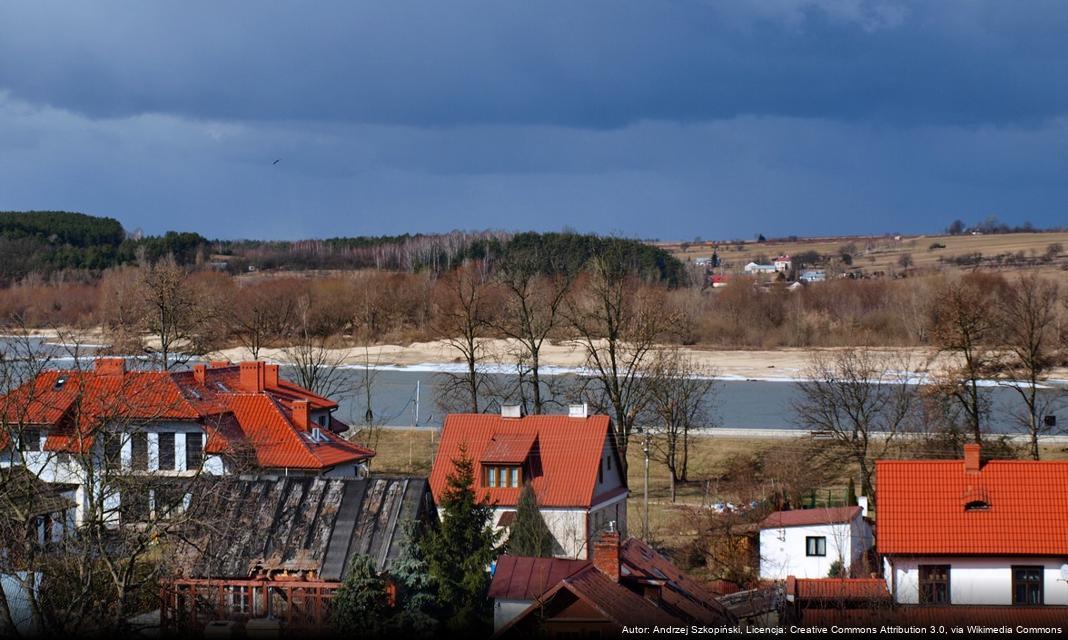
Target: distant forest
x: 44, y: 243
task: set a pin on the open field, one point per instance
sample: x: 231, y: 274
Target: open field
x: 881, y: 253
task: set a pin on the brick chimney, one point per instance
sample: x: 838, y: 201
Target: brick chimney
x: 200, y: 373
x: 251, y: 376
x: 270, y: 376
x: 300, y: 415
x: 971, y: 458
x: 109, y: 366
x: 606, y: 553
x: 219, y: 364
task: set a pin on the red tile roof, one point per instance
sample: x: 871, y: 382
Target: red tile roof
x: 923, y: 615
x: 810, y: 517
x: 838, y: 589
x: 509, y: 448
x: 922, y: 507
x: 75, y: 404
x: 566, y: 454
x: 520, y: 578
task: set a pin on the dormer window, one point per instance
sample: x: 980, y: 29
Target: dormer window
x: 500, y: 476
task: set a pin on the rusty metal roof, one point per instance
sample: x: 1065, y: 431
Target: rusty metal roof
x: 296, y: 525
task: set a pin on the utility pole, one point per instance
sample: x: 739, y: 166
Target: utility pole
x: 645, y: 521
x: 416, y: 404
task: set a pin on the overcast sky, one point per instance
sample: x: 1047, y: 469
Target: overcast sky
x: 656, y: 119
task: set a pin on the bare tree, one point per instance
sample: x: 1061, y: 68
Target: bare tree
x: 83, y: 565
x: 859, y: 399
x: 464, y: 305
x: 316, y: 363
x: 176, y: 310
x: 535, y: 288
x: 261, y: 315
x: 680, y: 395
x: 617, y: 323
x: 1029, y: 325
x: 964, y: 326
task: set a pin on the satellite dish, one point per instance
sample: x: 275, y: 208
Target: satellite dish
x: 1064, y: 572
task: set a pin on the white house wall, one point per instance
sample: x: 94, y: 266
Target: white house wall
x: 504, y: 611
x: 783, y: 549
x: 974, y: 581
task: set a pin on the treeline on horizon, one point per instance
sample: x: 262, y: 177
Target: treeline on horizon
x: 41, y: 244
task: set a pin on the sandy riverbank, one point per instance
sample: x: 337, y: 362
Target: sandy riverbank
x: 777, y: 364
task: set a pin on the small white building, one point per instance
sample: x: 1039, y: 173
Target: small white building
x: 813, y: 275
x: 806, y: 542
x: 965, y: 532
x: 782, y: 264
x: 754, y: 267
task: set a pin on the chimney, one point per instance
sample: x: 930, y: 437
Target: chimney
x: 971, y: 458
x: 511, y: 411
x: 578, y: 410
x: 109, y: 366
x: 200, y: 373
x: 300, y: 414
x: 270, y: 376
x: 606, y: 553
x: 251, y: 376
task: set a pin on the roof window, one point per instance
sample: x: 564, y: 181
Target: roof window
x: 977, y: 505
x: 60, y: 381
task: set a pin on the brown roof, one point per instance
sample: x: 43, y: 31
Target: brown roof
x: 682, y: 595
x: 838, y: 589
x: 616, y: 602
x: 519, y: 578
x: 1042, y: 616
x: 810, y: 517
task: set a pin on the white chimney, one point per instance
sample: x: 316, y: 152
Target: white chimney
x: 511, y: 411
x: 578, y: 410
x: 862, y: 502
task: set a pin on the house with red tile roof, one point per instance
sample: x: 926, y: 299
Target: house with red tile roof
x: 570, y: 461
x: 68, y: 426
x: 806, y: 542
x: 974, y: 532
x: 626, y: 583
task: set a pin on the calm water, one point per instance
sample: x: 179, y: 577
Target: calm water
x: 739, y: 404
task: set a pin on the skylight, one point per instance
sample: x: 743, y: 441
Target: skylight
x: 60, y: 381
x: 977, y: 505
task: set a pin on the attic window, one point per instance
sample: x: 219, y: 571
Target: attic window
x: 977, y: 505
x: 60, y: 381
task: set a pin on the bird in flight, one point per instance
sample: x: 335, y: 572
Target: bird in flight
x: 276, y: 161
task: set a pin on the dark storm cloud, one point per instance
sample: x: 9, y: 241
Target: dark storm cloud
x: 583, y: 64
x: 660, y: 119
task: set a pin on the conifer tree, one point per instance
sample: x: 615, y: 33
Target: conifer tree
x: 530, y: 536
x: 458, y: 554
x: 362, y: 602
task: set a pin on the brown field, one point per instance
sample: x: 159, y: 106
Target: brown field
x: 881, y: 253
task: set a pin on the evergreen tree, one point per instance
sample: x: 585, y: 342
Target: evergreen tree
x: 362, y: 601
x: 416, y: 603
x: 530, y: 536
x: 458, y: 554
x: 851, y: 494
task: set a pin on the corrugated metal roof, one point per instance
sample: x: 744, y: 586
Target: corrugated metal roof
x: 300, y: 524
x: 567, y: 454
x: 1008, y: 507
